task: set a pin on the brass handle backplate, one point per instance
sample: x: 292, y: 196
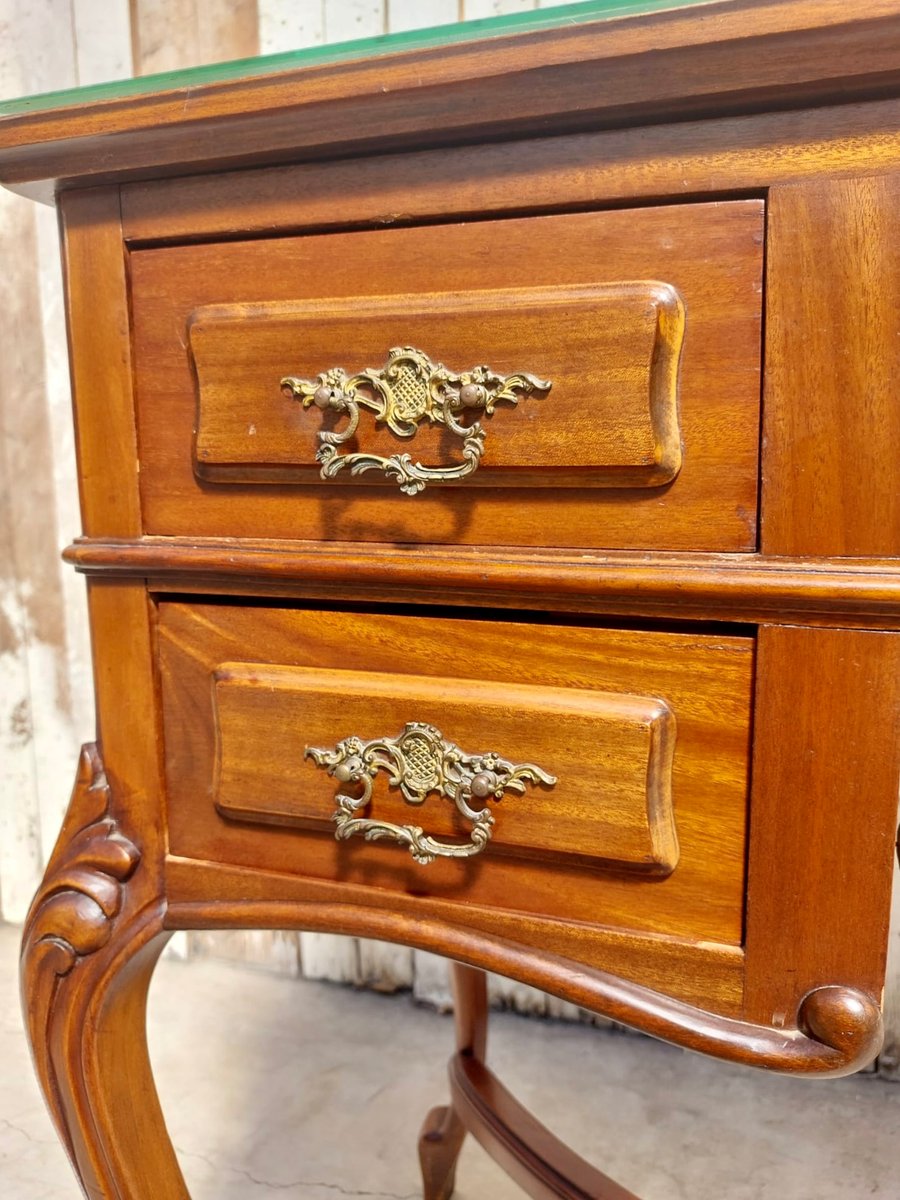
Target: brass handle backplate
x: 408, y: 389
x: 419, y: 761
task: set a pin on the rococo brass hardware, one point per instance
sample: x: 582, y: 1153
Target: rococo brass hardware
x: 408, y: 389
x: 419, y: 761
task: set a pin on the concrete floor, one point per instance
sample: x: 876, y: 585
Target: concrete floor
x: 315, y: 1092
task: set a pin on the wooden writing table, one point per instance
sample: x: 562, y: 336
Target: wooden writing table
x: 488, y: 453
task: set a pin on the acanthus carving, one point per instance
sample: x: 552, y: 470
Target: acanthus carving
x: 80, y: 932
x: 74, y: 910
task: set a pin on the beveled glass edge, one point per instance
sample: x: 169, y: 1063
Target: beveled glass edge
x: 339, y: 52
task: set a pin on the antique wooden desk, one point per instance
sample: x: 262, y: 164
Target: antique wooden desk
x: 489, y: 484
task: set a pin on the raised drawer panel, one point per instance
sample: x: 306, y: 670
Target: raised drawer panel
x: 603, y: 412
x: 646, y: 734
x: 639, y: 333
x: 607, y: 756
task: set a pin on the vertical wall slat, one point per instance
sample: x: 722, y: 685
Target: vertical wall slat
x: 474, y: 9
x: 167, y: 35
x: 37, y: 740
x: 267, y: 950
x: 421, y: 14
x: 20, y: 849
x: 290, y: 25
x: 326, y: 956
x: 385, y: 966
x: 431, y: 980
x: 102, y: 34
x: 352, y: 19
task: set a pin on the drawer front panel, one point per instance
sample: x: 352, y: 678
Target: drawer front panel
x: 627, y: 345
x: 600, y: 408
x: 642, y: 739
x: 605, y: 758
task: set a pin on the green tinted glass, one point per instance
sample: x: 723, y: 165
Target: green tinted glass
x: 419, y: 39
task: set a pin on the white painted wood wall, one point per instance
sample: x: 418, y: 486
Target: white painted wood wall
x: 45, y: 687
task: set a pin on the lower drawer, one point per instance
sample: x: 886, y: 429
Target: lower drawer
x: 558, y: 771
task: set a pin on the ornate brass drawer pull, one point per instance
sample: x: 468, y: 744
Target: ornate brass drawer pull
x: 419, y: 761
x: 408, y: 389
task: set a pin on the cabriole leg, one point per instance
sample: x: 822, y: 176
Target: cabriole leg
x: 88, y: 952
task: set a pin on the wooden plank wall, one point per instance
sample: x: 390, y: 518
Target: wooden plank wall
x: 45, y: 694
x: 46, y: 708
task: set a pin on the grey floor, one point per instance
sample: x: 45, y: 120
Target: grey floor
x: 311, y: 1091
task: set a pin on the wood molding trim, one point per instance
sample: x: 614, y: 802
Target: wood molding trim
x: 730, y: 155
x: 727, y: 57
x: 836, y: 1029
x: 738, y: 587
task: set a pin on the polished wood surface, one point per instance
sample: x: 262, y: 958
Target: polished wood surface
x: 710, y: 254
x: 552, y: 955
x: 609, y: 802
x: 685, y: 160
x: 541, y: 1165
x: 705, y: 682
x: 99, y: 329
x: 823, y: 810
x: 610, y: 354
x: 836, y: 1030
x: 739, y: 55
x: 720, y: 587
x: 833, y: 249
x: 743, y: 154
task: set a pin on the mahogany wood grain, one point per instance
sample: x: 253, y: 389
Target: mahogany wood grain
x: 541, y: 1165
x: 204, y: 894
x: 95, y: 929
x: 710, y: 254
x: 530, y: 1154
x: 833, y: 270
x: 129, y: 728
x: 720, y: 587
x: 836, y: 1029
x: 739, y: 55
x: 664, y: 148
x: 609, y: 354
x: 441, y: 1138
x: 826, y: 762
x: 100, y: 356
x: 704, y: 682
x: 610, y: 754
x: 685, y: 160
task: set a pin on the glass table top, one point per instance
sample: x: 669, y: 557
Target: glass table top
x: 419, y: 39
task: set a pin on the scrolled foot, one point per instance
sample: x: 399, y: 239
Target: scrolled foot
x: 844, y: 1019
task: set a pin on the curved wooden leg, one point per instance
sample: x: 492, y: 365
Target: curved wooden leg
x: 440, y: 1142
x: 442, y: 1134
x: 540, y: 1163
x: 90, y: 944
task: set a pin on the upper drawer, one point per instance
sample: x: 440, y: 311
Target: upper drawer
x: 581, y: 380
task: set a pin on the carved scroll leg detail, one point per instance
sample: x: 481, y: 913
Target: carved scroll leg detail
x: 443, y: 1132
x: 88, y: 953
